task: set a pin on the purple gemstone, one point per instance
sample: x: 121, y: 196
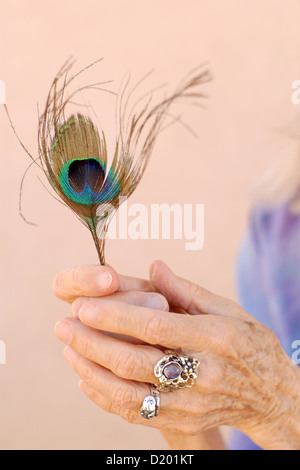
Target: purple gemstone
x: 172, y: 370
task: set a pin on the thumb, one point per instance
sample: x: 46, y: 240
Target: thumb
x: 181, y: 293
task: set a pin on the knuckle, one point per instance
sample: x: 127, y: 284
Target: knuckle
x: 196, y: 291
x: 158, y: 329
x: 124, y: 396
x: 124, y: 364
x: 122, y: 312
x: 228, y: 336
x: 228, y: 332
x: 131, y: 416
x: 108, y: 406
x: 88, y: 374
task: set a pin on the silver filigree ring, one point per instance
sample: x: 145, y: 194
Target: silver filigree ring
x: 150, y: 406
x: 176, y: 371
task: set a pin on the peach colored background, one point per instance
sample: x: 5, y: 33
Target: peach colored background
x: 253, y: 47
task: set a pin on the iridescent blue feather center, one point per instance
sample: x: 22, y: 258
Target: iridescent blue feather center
x: 85, y: 181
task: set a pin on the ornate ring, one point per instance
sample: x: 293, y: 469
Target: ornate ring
x: 150, y: 406
x: 175, y: 371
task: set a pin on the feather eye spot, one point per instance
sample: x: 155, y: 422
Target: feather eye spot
x: 84, y: 181
x: 86, y: 171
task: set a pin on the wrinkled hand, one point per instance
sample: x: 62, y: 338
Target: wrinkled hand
x: 97, y: 281
x: 245, y: 379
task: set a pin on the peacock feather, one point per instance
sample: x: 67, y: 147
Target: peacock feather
x: 73, y: 152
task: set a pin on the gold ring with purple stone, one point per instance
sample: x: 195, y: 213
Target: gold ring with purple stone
x: 175, y: 371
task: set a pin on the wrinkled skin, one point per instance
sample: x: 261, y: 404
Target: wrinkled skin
x: 245, y: 379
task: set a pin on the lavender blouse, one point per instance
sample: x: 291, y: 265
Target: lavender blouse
x: 269, y: 280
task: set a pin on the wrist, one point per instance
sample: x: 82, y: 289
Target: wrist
x: 280, y: 430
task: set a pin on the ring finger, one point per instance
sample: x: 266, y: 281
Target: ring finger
x: 113, y: 394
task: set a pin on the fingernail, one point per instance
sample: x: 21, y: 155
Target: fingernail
x: 63, y: 332
x: 157, y: 302
x: 89, y: 314
x: 104, y: 280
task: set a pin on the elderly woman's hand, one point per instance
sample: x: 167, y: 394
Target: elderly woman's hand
x: 245, y: 380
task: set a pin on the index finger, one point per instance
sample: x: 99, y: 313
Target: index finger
x: 94, y: 281
x: 151, y: 326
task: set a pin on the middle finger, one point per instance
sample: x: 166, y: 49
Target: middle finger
x: 126, y: 360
